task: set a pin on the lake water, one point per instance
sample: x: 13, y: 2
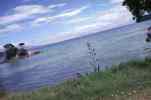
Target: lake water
x: 62, y: 61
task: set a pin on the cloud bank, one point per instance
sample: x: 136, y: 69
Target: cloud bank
x: 75, y: 21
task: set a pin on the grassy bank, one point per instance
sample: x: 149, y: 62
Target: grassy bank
x: 127, y: 81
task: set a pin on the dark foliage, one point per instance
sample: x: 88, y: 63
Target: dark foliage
x: 11, y: 51
x: 138, y: 8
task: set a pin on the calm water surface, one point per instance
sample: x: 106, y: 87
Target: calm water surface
x: 62, y: 61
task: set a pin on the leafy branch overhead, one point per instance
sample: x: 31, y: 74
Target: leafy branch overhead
x: 138, y: 8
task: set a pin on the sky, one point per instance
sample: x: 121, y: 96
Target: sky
x: 38, y: 22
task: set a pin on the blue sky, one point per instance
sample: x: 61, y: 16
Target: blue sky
x: 38, y: 22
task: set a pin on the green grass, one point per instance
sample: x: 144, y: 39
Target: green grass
x: 120, y: 81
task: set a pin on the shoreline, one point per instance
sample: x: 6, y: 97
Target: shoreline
x: 123, y: 80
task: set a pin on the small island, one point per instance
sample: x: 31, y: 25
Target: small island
x: 11, y: 52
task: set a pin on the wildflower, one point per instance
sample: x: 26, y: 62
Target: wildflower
x: 134, y: 91
x: 122, y: 93
x: 129, y: 93
x: 94, y: 60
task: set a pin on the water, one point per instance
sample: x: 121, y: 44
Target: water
x: 62, y: 61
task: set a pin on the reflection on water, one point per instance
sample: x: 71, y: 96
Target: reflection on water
x: 62, y: 61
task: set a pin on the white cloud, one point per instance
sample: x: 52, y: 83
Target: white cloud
x: 12, y: 18
x: 57, y: 5
x: 61, y: 15
x: 38, y: 21
x: 78, y: 20
x: 115, y: 15
x: 24, y: 12
x: 31, y: 9
x: 91, y: 26
x: 69, y: 13
x: 116, y: 1
x: 11, y: 28
x: 103, y: 20
x: 74, y: 12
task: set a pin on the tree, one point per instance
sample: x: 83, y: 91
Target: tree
x: 11, y: 51
x: 138, y: 8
